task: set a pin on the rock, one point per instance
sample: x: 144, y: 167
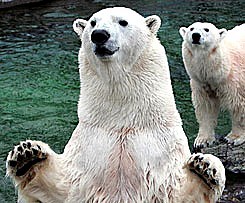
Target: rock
x: 231, y: 156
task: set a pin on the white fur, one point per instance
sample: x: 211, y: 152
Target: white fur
x: 129, y: 145
x: 217, y: 70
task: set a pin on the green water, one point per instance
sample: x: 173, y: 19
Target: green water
x: 39, y: 81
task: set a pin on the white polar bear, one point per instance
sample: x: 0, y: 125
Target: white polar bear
x: 129, y: 145
x: 215, y: 62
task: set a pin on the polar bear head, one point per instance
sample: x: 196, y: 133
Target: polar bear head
x: 202, y: 35
x: 116, y: 35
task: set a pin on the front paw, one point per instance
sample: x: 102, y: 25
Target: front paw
x: 235, y: 139
x: 203, y: 141
x: 23, y: 157
x: 209, y: 168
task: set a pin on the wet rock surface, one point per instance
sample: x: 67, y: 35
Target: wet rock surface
x: 231, y: 156
x: 234, y: 190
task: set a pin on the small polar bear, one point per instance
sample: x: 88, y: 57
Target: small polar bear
x: 215, y: 61
x: 129, y: 145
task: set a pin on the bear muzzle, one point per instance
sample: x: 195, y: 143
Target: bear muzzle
x: 103, y: 47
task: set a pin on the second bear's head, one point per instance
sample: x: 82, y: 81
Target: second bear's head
x: 202, y: 36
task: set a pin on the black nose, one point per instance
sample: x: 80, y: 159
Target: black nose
x: 196, y: 37
x: 100, y: 36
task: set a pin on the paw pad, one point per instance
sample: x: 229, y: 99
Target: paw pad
x: 21, y: 159
x: 202, y: 166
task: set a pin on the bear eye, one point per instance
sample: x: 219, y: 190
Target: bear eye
x: 191, y: 29
x: 93, y: 23
x: 123, y: 23
x: 206, y: 29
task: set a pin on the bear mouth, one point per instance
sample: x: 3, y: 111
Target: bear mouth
x: 196, y: 42
x: 102, y: 51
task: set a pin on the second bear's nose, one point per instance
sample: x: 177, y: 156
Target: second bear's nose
x: 100, y: 36
x: 196, y: 37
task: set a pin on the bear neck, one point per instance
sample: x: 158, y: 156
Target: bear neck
x: 209, y: 66
x: 138, y: 98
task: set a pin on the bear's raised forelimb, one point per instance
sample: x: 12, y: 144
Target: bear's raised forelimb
x: 205, y: 179
x: 36, y: 171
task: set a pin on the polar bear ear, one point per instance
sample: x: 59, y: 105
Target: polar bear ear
x: 79, y: 25
x: 153, y: 23
x: 222, y: 33
x: 183, y: 31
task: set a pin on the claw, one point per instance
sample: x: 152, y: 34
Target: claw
x: 12, y: 163
x: 197, y: 157
x: 214, y: 171
x: 28, y: 145
x: 20, y: 149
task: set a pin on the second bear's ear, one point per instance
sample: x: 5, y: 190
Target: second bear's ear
x: 222, y: 33
x: 183, y: 31
x: 79, y: 25
x: 153, y: 23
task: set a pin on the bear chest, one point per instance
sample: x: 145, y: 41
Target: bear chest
x: 119, y: 167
